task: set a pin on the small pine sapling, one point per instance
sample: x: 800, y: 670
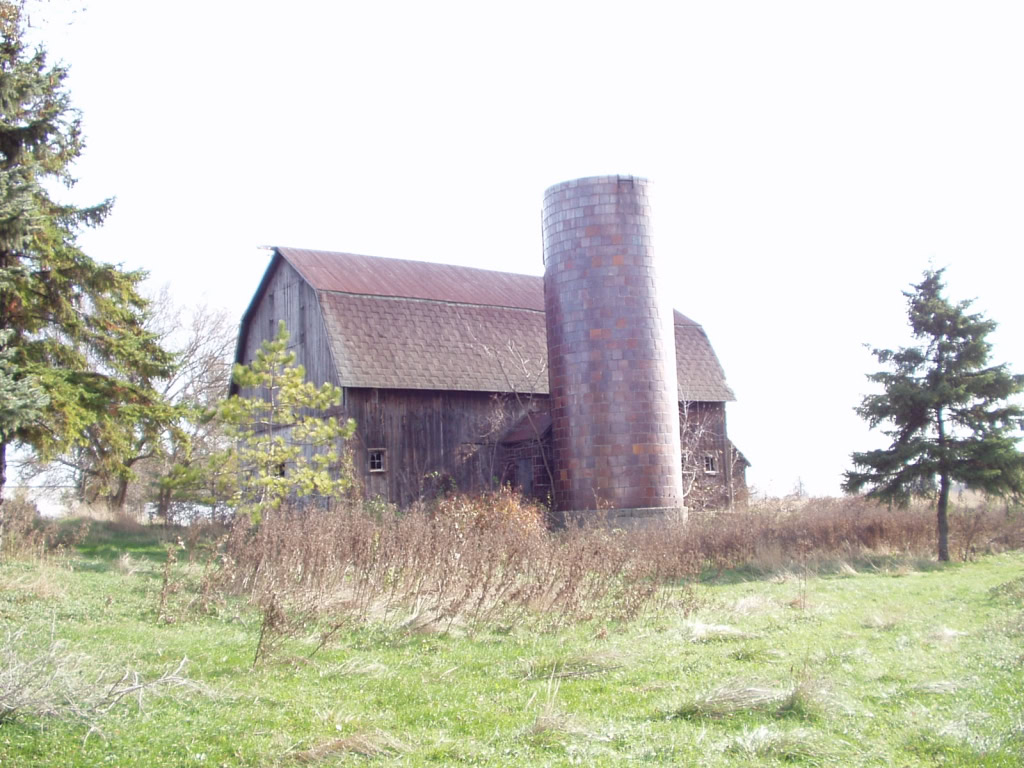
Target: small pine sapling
x: 288, y: 444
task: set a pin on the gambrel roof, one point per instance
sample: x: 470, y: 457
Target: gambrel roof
x: 398, y: 324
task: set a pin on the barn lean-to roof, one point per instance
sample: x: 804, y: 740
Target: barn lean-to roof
x: 398, y: 324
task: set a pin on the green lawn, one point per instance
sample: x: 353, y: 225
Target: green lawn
x: 901, y: 666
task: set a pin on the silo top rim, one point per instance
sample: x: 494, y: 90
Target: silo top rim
x: 592, y: 180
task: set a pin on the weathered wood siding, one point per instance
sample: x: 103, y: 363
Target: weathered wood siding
x: 287, y: 296
x: 434, y: 440
x: 703, y: 433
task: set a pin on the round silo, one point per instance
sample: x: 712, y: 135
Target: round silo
x: 611, y: 352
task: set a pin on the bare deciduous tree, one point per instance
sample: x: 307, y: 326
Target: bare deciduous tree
x: 153, y: 465
x: 711, y: 465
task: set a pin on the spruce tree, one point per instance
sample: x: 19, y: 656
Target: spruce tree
x: 948, y: 412
x: 75, y: 324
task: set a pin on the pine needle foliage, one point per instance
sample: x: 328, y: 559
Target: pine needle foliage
x: 949, y: 413
x: 21, y: 399
x: 287, y: 435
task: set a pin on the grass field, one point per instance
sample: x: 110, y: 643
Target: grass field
x: 107, y: 661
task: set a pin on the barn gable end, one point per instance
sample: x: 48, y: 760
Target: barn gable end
x: 284, y: 294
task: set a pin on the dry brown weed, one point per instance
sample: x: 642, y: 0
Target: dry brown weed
x: 366, y: 744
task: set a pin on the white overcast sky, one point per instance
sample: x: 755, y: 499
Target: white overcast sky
x: 810, y: 160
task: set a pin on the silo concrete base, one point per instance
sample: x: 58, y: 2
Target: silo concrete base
x: 627, y: 519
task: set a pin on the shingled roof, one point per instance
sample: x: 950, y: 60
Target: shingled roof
x: 401, y: 324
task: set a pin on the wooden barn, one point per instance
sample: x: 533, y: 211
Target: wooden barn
x: 444, y: 369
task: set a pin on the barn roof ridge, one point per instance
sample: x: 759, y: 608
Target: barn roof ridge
x: 361, y: 275
x: 399, y: 259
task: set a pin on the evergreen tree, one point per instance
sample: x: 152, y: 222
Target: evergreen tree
x: 948, y: 412
x: 21, y: 404
x: 21, y: 399
x: 76, y: 325
x: 287, y: 443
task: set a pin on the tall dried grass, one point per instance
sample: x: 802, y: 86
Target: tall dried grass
x: 459, y: 562
x: 778, y: 533
x: 29, y: 536
x: 464, y: 562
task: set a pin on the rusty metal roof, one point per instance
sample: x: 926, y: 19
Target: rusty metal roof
x: 375, y: 276
x: 403, y: 324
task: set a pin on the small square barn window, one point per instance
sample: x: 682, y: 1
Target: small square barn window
x: 376, y: 459
x: 710, y: 465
